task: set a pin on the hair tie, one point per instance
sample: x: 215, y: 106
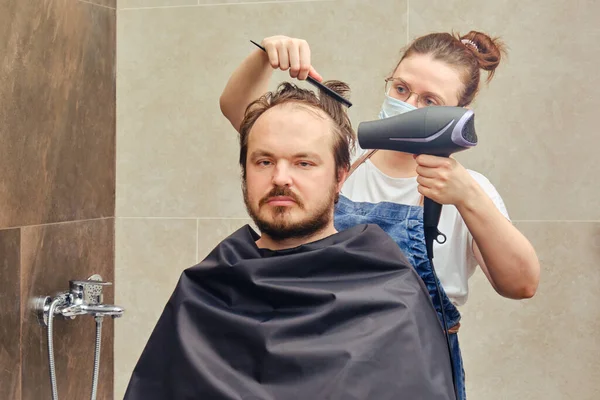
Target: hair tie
x: 471, y: 43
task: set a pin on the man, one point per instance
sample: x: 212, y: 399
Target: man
x: 301, y: 311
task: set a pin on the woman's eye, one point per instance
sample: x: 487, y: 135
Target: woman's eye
x: 431, y: 101
x: 401, y: 89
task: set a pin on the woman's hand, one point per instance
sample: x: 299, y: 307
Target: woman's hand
x: 444, y: 180
x: 250, y: 80
x: 290, y: 53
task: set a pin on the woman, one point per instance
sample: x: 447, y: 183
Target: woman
x: 387, y: 187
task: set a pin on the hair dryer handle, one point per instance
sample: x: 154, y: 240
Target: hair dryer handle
x: 431, y: 219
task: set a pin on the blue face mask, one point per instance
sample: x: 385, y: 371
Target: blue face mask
x: 392, y: 107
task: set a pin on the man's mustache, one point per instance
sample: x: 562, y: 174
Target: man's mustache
x: 279, y: 191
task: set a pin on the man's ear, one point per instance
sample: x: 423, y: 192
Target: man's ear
x: 342, y: 175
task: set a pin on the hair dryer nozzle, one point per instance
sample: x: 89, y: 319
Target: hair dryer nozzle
x: 435, y: 130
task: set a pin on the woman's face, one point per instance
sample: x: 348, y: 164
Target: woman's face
x: 430, y: 79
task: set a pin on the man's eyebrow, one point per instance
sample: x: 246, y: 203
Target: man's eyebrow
x: 305, y: 154
x: 313, y: 156
x: 260, y: 153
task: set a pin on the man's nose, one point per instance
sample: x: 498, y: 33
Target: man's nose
x: 282, y: 175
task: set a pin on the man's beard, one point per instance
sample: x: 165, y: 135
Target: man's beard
x: 279, y: 227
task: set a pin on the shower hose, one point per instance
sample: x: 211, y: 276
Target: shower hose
x: 98, y: 319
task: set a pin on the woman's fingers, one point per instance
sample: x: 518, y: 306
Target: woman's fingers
x: 313, y: 73
x: 291, y: 54
x: 304, y: 62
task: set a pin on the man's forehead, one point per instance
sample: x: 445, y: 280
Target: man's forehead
x: 302, y: 119
x: 289, y: 132
x: 295, y: 108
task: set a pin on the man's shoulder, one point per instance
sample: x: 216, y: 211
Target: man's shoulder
x: 372, y: 240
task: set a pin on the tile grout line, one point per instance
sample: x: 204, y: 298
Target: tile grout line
x: 99, y: 5
x: 56, y: 223
x: 224, y: 4
x: 197, y: 238
x: 188, y: 218
x: 158, y: 7
x: 245, y: 218
x: 554, y: 221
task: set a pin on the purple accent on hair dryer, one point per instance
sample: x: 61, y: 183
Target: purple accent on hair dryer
x: 457, y: 133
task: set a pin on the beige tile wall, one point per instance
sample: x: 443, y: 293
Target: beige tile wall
x: 547, y: 347
x: 178, y: 189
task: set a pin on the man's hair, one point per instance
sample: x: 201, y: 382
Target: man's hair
x: 343, y: 134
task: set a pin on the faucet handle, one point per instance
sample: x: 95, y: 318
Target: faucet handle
x: 88, y: 291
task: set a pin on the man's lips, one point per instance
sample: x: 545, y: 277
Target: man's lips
x: 281, y: 201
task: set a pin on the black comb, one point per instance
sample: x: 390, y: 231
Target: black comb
x: 318, y: 84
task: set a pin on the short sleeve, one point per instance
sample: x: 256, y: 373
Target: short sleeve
x: 491, y: 191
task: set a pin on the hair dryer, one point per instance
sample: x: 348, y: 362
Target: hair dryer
x: 436, y: 130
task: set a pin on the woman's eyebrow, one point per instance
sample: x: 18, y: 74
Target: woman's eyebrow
x: 426, y: 93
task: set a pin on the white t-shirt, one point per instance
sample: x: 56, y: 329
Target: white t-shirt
x: 454, y: 260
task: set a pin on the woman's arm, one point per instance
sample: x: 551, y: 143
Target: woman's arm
x: 504, y: 254
x: 250, y: 80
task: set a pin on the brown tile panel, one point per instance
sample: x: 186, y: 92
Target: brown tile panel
x: 51, y: 256
x: 10, y: 323
x: 57, y: 111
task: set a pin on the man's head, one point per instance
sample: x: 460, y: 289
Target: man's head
x: 295, y: 155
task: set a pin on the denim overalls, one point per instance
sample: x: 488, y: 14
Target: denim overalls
x: 404, y: 224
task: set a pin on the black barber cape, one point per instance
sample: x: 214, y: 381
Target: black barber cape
x: 342, y: 318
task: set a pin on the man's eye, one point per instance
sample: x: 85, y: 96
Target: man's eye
x: 264, y: 163
x: 304, y: 164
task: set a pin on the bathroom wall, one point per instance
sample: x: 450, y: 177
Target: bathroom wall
x: 177, y: 181
x: 57, y: 186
